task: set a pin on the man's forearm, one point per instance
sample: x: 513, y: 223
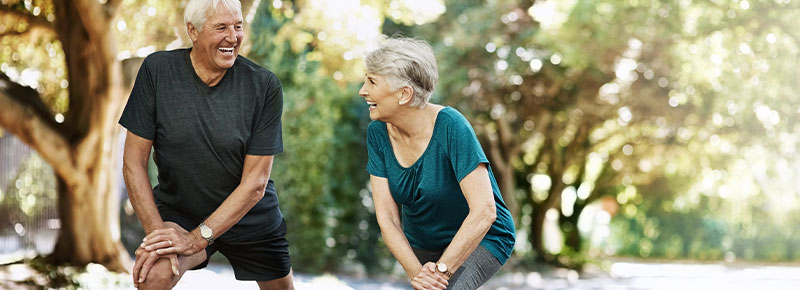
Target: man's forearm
x: 235, y: 207
x: 141, y: 196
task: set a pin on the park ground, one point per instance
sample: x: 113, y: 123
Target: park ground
x: 612, y: 274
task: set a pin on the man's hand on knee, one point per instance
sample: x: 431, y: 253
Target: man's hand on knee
x: 145, y: 261
x: 173, y: 240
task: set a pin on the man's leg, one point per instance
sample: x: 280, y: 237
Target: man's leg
x: 161, y: 276
x: 284, y: 283
x: 262, y: 257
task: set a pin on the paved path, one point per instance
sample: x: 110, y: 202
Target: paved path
x: 620, y: 275
x: 221, y: 277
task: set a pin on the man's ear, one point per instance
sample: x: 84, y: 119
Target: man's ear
x: 192, y: 31
x: 406, y: 93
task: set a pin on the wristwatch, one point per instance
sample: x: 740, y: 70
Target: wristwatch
x: 206, y: 233
x: 442, y: 268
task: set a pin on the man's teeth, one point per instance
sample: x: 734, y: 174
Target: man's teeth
x: 226, y: 50
x: 371, y: 104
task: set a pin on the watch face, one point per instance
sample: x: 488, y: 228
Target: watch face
x: 441, y: 267
x: 205, y: 232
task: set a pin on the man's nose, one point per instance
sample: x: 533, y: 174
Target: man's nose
x: 231, y: 36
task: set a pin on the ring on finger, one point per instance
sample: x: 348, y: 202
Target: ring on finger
x: 170, y: 242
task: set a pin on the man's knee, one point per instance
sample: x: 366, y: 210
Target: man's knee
x: 283, y: 283
x: 159, y: 277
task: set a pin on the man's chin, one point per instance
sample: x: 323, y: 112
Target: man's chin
x: 226, y: 63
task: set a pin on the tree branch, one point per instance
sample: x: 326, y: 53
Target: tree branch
x: 23, y: 114
x: 34, y: 22
x: 94, y: 18
x: 111, y: 7
x: 34, y: 32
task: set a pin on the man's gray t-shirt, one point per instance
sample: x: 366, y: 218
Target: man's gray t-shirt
x: 201, y: 134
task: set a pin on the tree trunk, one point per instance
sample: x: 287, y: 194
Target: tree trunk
x: 572, y: 235
x: 505, y: 180
x: 88, y: 194
x: 504, y: 174
x: 89, y: 226
x: 83, y: 151
x: 539, y: 215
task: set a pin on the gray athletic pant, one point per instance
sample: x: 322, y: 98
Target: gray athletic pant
x: 476, y: 270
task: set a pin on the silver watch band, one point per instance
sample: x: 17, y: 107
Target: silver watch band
x: 206, y: 233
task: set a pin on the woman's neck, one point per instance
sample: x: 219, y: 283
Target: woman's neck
x: 414, y: 122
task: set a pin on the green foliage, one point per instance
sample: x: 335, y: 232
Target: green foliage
x: 320, y: 176
x: 659, y: 231
x: 30, y: 192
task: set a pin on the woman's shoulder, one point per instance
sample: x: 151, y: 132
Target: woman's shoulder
x: 450, y: 117
x: 376, y: 125
x: 376, y: 129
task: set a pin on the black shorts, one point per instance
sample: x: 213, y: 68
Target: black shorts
x: 257, y: 256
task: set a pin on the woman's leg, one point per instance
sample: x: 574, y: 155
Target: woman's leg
x: 476, y: 270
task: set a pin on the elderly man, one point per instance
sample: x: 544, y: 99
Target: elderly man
x: 213, y: 119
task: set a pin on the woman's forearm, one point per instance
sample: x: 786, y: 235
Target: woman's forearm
x: 468, y: 237
x: 397, y: 243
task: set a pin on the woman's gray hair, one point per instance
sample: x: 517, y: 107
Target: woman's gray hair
x: 405, y: 62
x: 197, y: 11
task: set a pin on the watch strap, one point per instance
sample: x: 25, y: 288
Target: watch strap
x: 445, y: 272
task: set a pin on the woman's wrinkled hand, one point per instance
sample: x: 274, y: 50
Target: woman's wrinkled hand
x: 429, y: 279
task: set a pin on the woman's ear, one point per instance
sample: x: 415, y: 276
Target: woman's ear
x: 406, y: 93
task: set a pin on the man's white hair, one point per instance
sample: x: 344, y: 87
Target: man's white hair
x: 197, y: 11
x: 405, y: 62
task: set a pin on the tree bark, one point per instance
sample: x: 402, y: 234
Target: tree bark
x: 96, y: 84
x: 83, y: 150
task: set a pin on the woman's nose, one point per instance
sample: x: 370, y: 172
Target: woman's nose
x: 362, y: 92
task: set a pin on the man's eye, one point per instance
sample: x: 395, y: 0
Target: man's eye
x: 238, y: 27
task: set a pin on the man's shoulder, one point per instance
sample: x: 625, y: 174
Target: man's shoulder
x: 253, y: 68
x: 165, y: 55
x: 164, y: 60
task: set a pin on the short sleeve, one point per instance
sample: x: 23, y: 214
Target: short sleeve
x: 139, y: 115
x: 463, y: 147
x: 267, y: 138
x: 375, y: 143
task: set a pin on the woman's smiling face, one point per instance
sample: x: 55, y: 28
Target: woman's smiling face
x: 380, y: 96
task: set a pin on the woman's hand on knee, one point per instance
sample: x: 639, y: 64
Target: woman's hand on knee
x: 429, y: 279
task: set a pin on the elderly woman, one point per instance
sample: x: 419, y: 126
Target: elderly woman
x: 436, y: 199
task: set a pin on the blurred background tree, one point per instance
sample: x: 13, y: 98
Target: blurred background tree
x: 577, y: 101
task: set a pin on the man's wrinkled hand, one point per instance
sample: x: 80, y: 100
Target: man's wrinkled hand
x: 172, y: 240
x: 144, y: 263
